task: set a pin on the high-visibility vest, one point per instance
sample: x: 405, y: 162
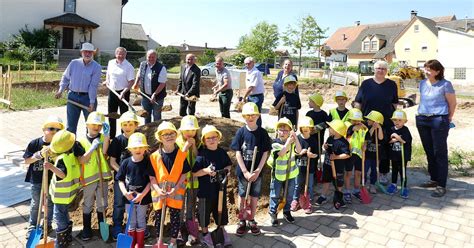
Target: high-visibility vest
x: 90, y: 171
x: 281, y: 164
x: 335, y: 115
x: 171, y: 179
x: 63, y: 191
x: 356, y: 141
x: 191, y: 157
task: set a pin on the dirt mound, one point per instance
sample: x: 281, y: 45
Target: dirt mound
x: 466, y: 105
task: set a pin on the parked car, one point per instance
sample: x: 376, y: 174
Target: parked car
x: 261, y: 67
x: 210, y: 69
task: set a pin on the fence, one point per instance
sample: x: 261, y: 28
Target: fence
x: 6, y: 86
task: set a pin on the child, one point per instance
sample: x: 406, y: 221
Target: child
x: 284, y: 169
x: 374, y: 122
x: 34, y: 157
x: 247, y: 137
x: 400, y: 134
x: 356, y: 137
x: 135, y: 186
x: 65, y: 182
x: 309, y: 150
x: 339, y: 113
x: 289, y: 102
x: 94, y: 158
x: 337, y: 149
x: 168, y: 168
x: 189, y: 131
x: 212, y: 166
x: 117, y: 153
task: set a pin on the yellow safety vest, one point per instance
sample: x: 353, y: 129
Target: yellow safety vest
x: 356, y: 141
x: 281, y: 164
x: 335, y: 115
x: 191, y: 157
x: 63, y: 191
x: 90, y: 171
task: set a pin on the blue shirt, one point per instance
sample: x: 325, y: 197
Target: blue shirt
x: 80, y: 77
x: 432, y: 97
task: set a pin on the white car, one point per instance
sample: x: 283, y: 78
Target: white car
x: 210, y: 69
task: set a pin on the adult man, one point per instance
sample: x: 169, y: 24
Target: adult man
x: 120, y: 77
x: 151, y: 78
x: 254, y: 85
x: 81, y: 77
x: 223, y: 87
x: 188, y: 85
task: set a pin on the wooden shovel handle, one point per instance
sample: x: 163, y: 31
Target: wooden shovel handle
x: 307, y: 172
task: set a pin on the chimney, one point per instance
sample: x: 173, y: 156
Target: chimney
x: 357, y: 23
x: 344, y: 37
x: 413, y: 13
x: 205, y: 45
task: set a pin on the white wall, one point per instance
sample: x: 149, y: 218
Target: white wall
x: 456, y: 51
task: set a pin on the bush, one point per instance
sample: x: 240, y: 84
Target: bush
x: 168, y: 56
x: 28, y: 45
x: 348, y: 68
x: 131, y: 45
x: 207, y: 57
x: 237, y: 59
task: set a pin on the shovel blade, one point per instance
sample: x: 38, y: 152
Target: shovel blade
x: 124, y: 241
x: 193, y: 228
x: 281, y: 205
x: 304, y: 201
x: 364, y: 194
x: 104, y: 231
x: 142, y: 113
x: 34, y: 237
x: 218, y: 237
x: 381, y: 187
x: 160, y: 244
x: 113, y: 115
x: 49, y: 244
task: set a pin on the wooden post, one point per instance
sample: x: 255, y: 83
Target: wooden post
x: 5, y: 82
x: 19, y: 71
x: 34, y: 71
x: 1, y: 80
x: 10, y: 88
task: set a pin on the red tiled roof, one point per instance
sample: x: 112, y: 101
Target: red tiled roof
x: 343, y: 37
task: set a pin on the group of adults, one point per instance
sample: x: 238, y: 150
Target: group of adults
x: 83, y: 76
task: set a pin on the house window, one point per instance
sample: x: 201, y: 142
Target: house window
x: 366, y: 45
x: 460, y: 73
x: 424, y: 48
x: 373, y: 45
x: 70, y: 6
x: 407, y: 49
x: 416, y: 28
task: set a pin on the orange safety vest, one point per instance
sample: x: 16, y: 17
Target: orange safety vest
x: 171, y: 179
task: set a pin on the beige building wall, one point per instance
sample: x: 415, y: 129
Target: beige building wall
x: 354, y: 59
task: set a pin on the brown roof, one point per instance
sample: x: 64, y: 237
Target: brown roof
x: 71, y: 19
x: 343, y: 37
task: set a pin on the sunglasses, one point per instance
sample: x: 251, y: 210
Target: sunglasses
x: 53, y: 129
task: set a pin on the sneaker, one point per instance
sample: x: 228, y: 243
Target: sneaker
x: 115, y: 232
x: 373, y: 189
x: 227, y: 241
x: 308, y: 210
x: 274, y: 220
x: 288, y: 217
x: 147, y: 233
x: 242, y: 229
x: 429, y: 184
x: 439, y: 192
x: 404, y: 193
x: 383, y: 179
x: 294, y: 206
x: 207, y: 240
x: 321, y: 200
x: 392, y: 189
x: 357, y: 195
x: 30, y: 229
x: 254, y: 229
x: 347, y: 198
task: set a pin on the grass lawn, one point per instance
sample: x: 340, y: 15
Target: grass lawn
x: 175, y: 69
x: 41, y: 76
x: 26, y: 99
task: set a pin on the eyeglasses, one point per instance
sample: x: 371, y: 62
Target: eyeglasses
x: 168, y: 135
x: 212, y: 138
x: 381, y: 69
x: 53, y: 129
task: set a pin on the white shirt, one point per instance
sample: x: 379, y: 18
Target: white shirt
x: 119, y: 74
x: 254, y: 78
x: 161, y: 78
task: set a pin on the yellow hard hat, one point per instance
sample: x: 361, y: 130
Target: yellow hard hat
x: 338, y: 126
x: 53, y: 121
x: 290, y: 79
x: 284, y: 121
x: 95, y: 118
x: 340, y: 93
x: 165, y: 125
x: 137, y: 140
x: 209, y: 129
x: 317, y: 99
x: 399, y: 114
x: 250, y: 108
x: 306, y: 121
x: 62, y: 141
x: 375, y: 116
x: 128, y: 116
x: 189, y: 122
x: 355, y: 114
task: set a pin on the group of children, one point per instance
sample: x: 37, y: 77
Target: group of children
x: 189, y: 168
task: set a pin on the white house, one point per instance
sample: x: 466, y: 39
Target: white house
x: 455, y: 50
x: 78, y: 21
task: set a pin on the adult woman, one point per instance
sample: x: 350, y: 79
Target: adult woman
x: 278, y: 84
x: 435, y: 112
x: 379, y: 93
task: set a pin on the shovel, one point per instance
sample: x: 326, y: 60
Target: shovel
x: 160, y: 243
x: 282, y: 203
x: 35, y: 235
x: 192, y: 225
x: 141, y: 113
x: 319, y: 172
x: 113, y: 115
x: 304, y: 198
x: 164, y: 108
x: 337, y: 199
x: 246, y: 212
x: 123, y: 240
x: 218, y: 234
x: 403, y: 170
x: 364, y: 193
x: 45, y: 242
x: 377, y: 183
x: 189, y: 99
x: 103, y: 226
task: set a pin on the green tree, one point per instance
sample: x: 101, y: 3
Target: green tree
x: 207, y: 57
x: 131, y: 45
x: 168, y: 56
x: 261, y: 42
x: 306, y: 34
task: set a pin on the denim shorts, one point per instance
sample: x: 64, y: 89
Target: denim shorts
x: 255, y: 188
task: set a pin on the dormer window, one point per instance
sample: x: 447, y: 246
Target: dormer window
x: 70, y: 6
x: 366, y: 45
x: 373, y: 45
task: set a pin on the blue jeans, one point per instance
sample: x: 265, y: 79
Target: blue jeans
x: 153, y: 109
x: 74, y: 112
x: 275, y: 188
x: 61, y: 216
x: 434, y: 132
x: 300, y: 184
x: 371, y: 164
x: 257, y: 99
x: 34, y: 205
x: 119, y: 206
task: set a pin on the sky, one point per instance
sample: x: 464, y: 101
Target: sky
x: 220, y: 23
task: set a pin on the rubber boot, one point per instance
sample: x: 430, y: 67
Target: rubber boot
x: 86, y: 230
x: 61, y: 239
x: 69, y: 232
x: 140, y: 239
x: 133, y: 234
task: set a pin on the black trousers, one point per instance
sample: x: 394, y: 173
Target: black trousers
x: 114, y: 103
x: 225, y: 99
x: 186, y: 107
x: 397, y: 169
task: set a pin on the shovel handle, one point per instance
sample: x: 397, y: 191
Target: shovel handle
x: 249, y: 184
x: 307, y: 173
x: 78, y: 104
x: 118, y: 96
x: 101, y: 180
x: 45, y: 203
x: 333, y: 169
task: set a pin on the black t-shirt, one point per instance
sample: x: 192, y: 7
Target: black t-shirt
x: 245, y: 141
x: 290, y: 107
x: 118, y: 149
x: 219, y: 159
x: 134, y: 175
x: 338, y: 147
x: 168, y: 161
x: 78, y: 151
x: 35, y: 170
x: 379, y: 97
x: 396, y: 148
x: 341, y: 114
x: 370, y: 152
x: 320, y: 117
x: 302, y: 161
